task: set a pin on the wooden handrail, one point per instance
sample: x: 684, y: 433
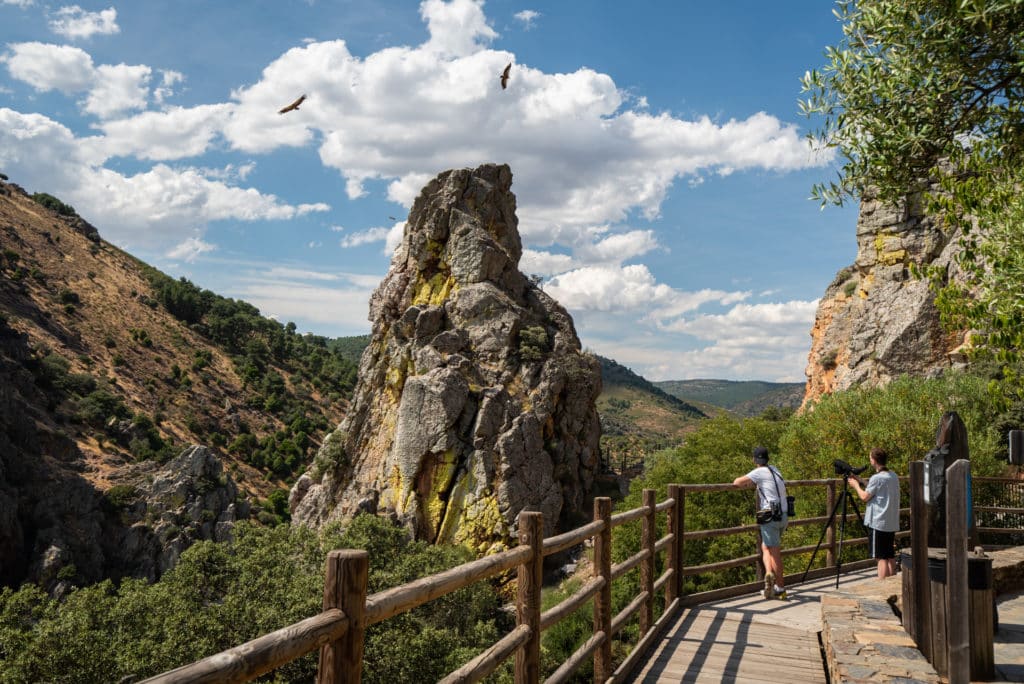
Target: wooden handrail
x: 571, y: 538
x: 262, y: 655
x: 338, y: 630
x: 488, y: 661
x: 391, y: 602
x: 555, y: 614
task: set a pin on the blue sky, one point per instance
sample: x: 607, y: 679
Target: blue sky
x: 658, y: 157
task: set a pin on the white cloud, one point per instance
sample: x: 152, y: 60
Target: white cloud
x: 456, y: 28
x: 110, y: 89
x: 621, y: 288
x: 190, y: 249
x: 74, y: 22
x: 168, y: 79
x: 365, y: 237
x: 345, y: 309
x: 527, y: 17
x: 118, y: 88
x: 18, y: 3
x: 159, y: 206
x: 620, y: 247
x: 763, y: 341
x: 50, y: 67
x: 545, y: 263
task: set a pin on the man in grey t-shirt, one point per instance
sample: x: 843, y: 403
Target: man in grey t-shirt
x: 882, y: 513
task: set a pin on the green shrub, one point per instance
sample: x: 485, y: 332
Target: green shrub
x: 51, y: 202
x: 533, y: 343
x: 221, y: 595
x: 66, y: 296
x: 120, y: 497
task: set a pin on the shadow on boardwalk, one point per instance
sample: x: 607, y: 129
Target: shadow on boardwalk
x: 747, y: 639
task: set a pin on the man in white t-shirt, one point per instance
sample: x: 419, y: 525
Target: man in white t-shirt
x: 882, y: 513
x: 771, y: 489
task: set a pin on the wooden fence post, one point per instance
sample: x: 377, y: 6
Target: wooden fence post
x: 530, y: 580
x: 958, y: 620
x: 341, y: 661
x: 672, y: 561
x: 603, y: 600
x: 648, y: 539
x: 922, y: 608
x: 830, y: 533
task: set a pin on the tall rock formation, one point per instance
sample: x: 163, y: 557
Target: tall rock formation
x: 474, y: 401
x: 876, y: 321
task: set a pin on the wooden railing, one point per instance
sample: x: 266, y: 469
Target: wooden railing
x: 338, y: 631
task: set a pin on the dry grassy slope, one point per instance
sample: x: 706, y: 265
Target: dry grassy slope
x: 112, y: 290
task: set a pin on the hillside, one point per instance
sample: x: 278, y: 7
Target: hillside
x: 638, y: 417
x: 742, y: 397
x: 109, y: 369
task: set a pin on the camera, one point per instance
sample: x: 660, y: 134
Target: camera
x: 845, y: 469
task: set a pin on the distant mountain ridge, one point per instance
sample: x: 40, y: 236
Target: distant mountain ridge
x: 742, y: 397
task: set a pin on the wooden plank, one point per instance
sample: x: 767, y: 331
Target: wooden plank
x: 528, y: 596
x: 719, y: 643
x: 958, y: 619
x: 603, y: 601
x: 648, y: 539
x: 345, y: 589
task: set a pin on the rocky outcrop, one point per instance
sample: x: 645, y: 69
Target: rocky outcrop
x: 57, y: 528
x: 877, y: 321
x: 474, y: 401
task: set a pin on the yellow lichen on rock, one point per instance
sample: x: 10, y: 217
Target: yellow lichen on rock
x: 441, y: 478
x: 435, y: 291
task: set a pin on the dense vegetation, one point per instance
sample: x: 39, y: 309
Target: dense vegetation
x: 220, y: 595
x: 929, y: 94
x: 258, y: 347
x: 901, y: 418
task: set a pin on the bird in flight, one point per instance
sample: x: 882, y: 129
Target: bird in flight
x: 293, y: 105
x: 504, y: 76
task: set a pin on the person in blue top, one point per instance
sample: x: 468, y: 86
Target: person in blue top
x: 882, y: 513
x: 771, y: 489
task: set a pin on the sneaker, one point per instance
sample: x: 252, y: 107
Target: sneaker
x: 780, y: 594
x: 769, y: 585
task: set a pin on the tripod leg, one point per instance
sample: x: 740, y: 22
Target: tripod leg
x: 824, y: 531
x: 842, y: 535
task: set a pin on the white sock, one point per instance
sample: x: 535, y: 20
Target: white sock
x: 778, y: 589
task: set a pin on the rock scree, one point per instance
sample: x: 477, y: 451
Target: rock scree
x: 474, y: 401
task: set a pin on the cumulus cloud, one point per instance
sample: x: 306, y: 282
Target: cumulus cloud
x: 157, y: 206
x: 110, y: 89
x: 18, y: 3
x: 50, y: 67
x: 527, y: 17
x: 168, y: 80
x: 365, y: 237
x: 766, y: 340
x: 341, y: 308
x: 190, y: 249
x: 580, y: 156
x: 74, y: 22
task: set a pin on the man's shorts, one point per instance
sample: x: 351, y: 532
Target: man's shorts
x: 881, y: 545
x: 771, y: 532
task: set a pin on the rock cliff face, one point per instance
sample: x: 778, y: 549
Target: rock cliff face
x: 474, y: 401
x: 876, y: 321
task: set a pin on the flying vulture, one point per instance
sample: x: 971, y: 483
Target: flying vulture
x: 504, y: 76
x: 293, y: 105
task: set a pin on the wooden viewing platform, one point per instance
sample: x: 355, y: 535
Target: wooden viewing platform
x: 747, y: 639
x: 730, y: 634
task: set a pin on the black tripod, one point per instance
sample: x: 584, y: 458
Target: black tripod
x: 847, y: 495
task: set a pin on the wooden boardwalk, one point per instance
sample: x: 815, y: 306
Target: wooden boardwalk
x: 746, y: 639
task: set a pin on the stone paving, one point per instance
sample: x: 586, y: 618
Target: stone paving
x: 865, y: 642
